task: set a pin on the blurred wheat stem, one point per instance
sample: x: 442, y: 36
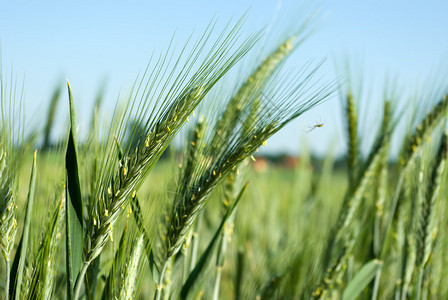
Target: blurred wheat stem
x: 7, y: 282
x: 80, y: 279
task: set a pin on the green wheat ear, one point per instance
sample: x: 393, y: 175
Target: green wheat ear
x: 8, y: 225
x: 427, y: 226
x: 353, y: 142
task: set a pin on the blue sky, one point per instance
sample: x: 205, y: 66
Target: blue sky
x: 93, y: 41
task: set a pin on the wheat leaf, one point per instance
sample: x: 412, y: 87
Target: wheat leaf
x: 74, y: 218
x: 361, y: 280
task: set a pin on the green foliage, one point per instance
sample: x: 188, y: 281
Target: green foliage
x: 74, y: 209
x: 361, y: 280
x: 371, y: 229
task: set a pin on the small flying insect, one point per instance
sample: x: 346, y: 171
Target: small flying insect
x: 317, y: 125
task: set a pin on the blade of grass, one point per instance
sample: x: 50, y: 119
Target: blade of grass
x: 74, y: 219
x: 361, y: 280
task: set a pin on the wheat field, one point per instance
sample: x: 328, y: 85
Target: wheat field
x: 164, y: 198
